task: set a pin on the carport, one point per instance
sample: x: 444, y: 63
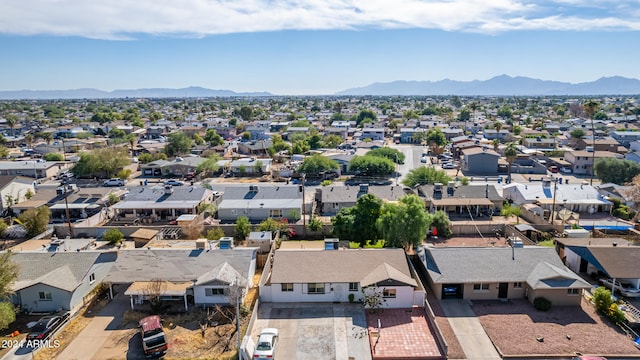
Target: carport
x: 139, y: 291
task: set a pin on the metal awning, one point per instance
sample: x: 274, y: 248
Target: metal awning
x: 170, y: 288
x: 462, y: 202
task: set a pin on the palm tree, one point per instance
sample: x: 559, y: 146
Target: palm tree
x: 510, y: 152
x: 12, y: 120
x: 496, y: 144
x: 590, y: 107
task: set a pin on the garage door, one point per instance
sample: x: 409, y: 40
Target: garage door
x: 452, y: 291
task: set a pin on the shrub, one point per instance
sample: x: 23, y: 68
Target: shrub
x: 542, y: 304
x: 215, y: 234
x: 602, y: 299
x: 351, y: 298
x: 615, y: 314
x: 113, y: 236
x: 325, y: 182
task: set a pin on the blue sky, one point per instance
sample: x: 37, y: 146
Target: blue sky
x: 309, y: 47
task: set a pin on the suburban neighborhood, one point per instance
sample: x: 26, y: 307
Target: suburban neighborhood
x: 337, y: 227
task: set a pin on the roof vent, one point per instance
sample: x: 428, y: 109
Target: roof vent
x: 437, y: 187
x: 253, y: 188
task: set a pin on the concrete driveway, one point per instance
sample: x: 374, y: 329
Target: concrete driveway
x: 87, y: 344
x: 474, y: 340
x: 315, y: 330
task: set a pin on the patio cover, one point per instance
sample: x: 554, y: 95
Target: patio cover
x: 171, y: 289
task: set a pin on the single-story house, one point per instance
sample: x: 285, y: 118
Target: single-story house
x: 159, y: 202
x: 479, y: 200
x: 335, y: 198
x: 39, y: 169
x: 338, y: 275
x: 52, y: 281
x: 250, y: 166
x: 501, y: 273
x: 574, y: 197
x: 610, y: 258
x: 180, y: 166
x: 259, y: 202
x: 208, y: 276
x: 372, y: 133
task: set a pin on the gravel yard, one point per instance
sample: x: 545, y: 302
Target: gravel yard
x: 515, y: 326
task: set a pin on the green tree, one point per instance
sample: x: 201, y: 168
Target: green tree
x: 365, y: 114
x: 368, y: 209
x: 8, y: 275
x: 53, y: 157
x: 591, y: 107
x: 246, y: 112
x: 505, y: 112
x: 113, y: 236
x: 300, y: 147
x: 332, y: 141
x: 464, y: 115
x: 440, y: 221
x: 12, y: 120
x: 617, y: 171
x: 511, y: 210
x: 404, y: 224
x: 510, y: 152
x: 425, y: 175
x: 35, y: 221
x: 117, y: 133
x: 371, y: 165
x: 145, y: 158
x: 577, y: 133
x: 209, y: 166
x: 343, y: 223
x: 178, y: 143
x: 215, y: 234
x: 243, y: 228
x: 602, y: 299
x: 213, y: 138
x: 315, y: 164
x: 435, y: 136
x: 392, y: 154
x: 105, y: 160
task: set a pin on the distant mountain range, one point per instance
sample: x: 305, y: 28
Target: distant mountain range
x: 192, y: 91
x: 502, y: 85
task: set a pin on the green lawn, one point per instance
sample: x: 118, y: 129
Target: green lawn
x: 377, y: 245
x: 547, y: 243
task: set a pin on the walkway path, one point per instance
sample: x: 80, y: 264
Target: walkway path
x: 474, y: 340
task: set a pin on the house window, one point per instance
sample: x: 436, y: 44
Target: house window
x: 480, y: 287
x: 389, y: 293
x: 517, y: 285
x: 573, y: 291
x: 315, y: 288
x: 353, y: 286
x: 286, y: 287
x: 45, y: 296
x: 213, y: 291
x: 275, y: 213
x: 92, y: 278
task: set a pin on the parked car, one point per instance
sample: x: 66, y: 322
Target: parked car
x: 190, y: 175
x: 46, y: 326
x: 423, y: 159
x: 553, y: 169
x: 173, y: 182
x: 565, y: 170
x: 266, y: 345
x: 113, y: 182
x: 448, y: 166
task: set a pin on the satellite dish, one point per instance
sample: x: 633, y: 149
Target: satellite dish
x: 564, y: 214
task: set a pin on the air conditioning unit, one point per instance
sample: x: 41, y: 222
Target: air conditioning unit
x: 253, y: 188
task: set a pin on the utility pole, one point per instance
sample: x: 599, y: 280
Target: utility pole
x: 66, y: 204
x: 553, y: 204
x: 304, y: 210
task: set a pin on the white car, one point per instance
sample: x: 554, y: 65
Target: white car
x: 113, y: 182
x: 423, y: 159
x: 448, y: 166
x: 266, y: 345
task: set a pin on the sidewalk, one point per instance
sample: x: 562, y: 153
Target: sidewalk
x: 92, y: 338
x: 474, y: 340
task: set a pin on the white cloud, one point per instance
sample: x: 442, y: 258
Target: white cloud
x: 122, y: 19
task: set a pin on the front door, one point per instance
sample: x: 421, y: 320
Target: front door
x: 503, y: 290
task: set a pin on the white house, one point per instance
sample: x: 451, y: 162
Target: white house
x: 341, y: 276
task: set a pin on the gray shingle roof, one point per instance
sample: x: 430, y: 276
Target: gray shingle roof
x: 348, y: 194
x: 365, y: 266
x: 474, y: 265
x: 63, y: 270
x: 177, y: 265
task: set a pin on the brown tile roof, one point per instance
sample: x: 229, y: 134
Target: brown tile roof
x: 365, y: 266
